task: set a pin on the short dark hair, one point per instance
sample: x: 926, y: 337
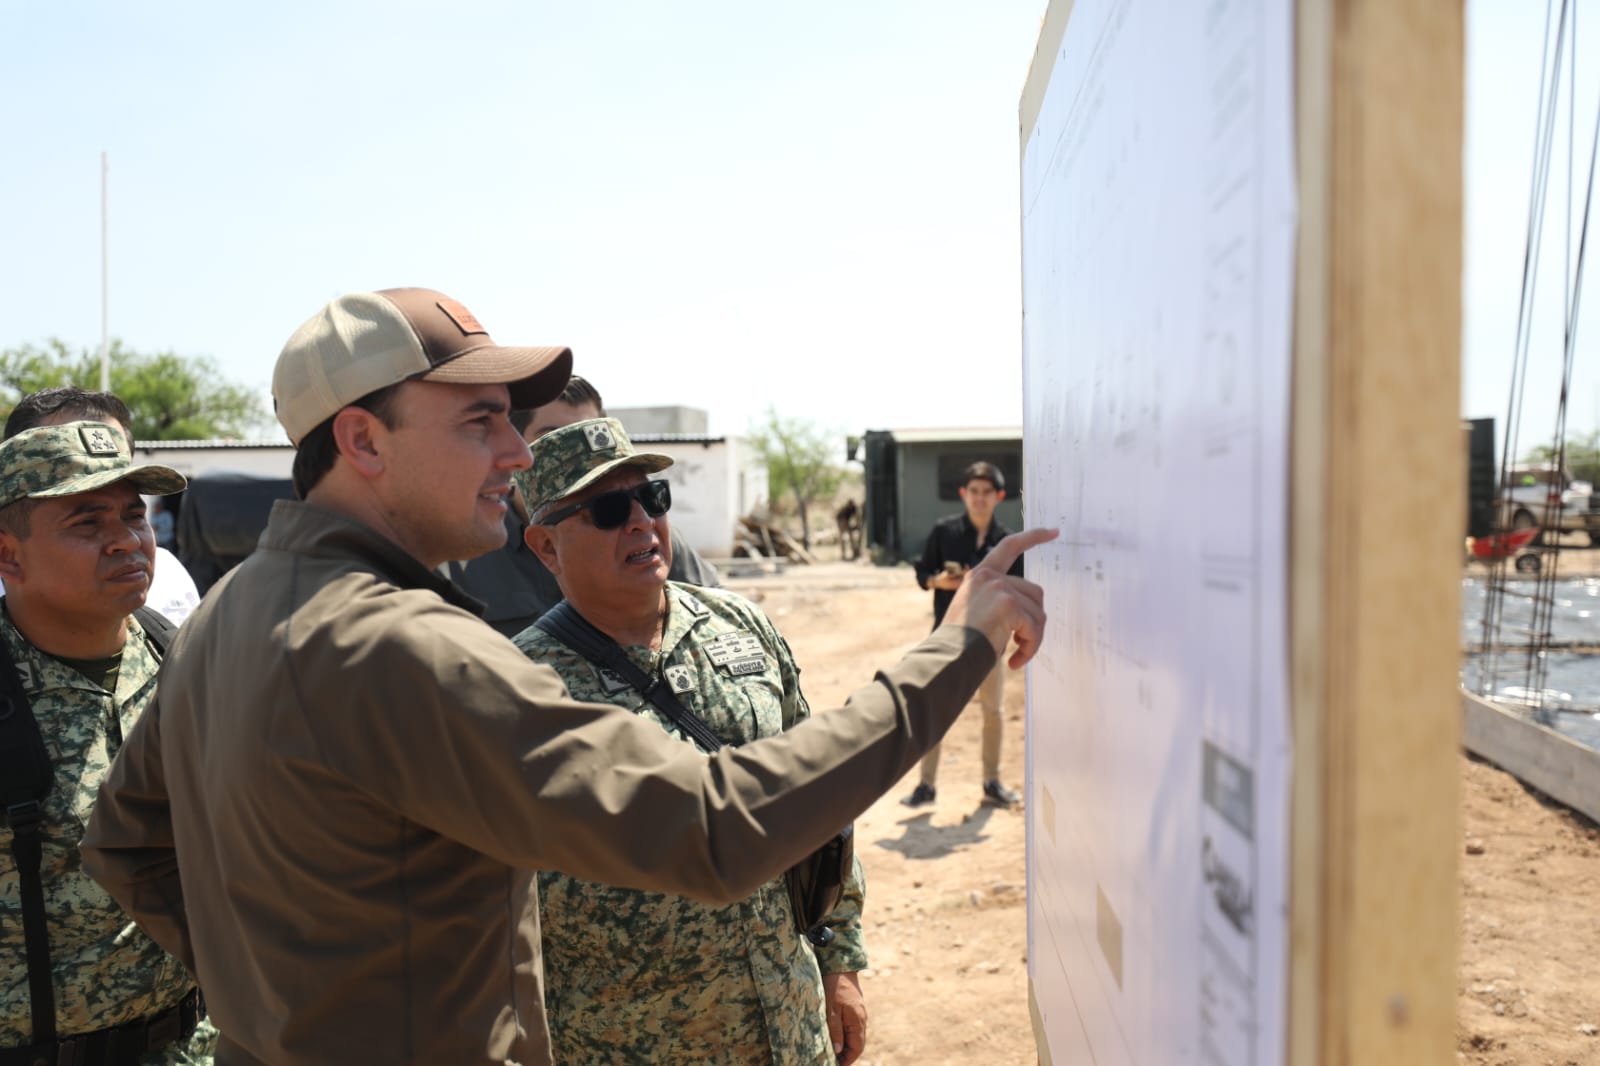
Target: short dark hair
x: 38, y: 409
x: 577, y: 393
x: 982, y: 471
x: 317, y: 451
x: 16, y: 517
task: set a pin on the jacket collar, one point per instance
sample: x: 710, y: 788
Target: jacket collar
x: 305, y: 529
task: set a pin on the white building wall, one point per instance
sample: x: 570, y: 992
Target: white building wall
x: 713, y: 484
x: 198, y: 457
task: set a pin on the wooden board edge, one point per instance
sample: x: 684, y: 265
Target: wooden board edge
x: 1308, y: 418
x: 1045, y: 54
x: 1374, y: 614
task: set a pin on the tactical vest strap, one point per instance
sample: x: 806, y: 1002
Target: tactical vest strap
x: 25, y: 778
x: 24, y: 783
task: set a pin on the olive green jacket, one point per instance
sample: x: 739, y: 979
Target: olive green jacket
x: 358, y: 777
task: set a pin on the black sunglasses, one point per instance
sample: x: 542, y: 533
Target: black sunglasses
x: 611, y: 509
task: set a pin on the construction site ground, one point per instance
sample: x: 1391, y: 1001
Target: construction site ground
x: 946, y: 917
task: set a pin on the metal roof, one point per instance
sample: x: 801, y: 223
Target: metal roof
x: 954, y: 435
x: 675, y: 438
x: 209, y: 445
x: 228, y: 444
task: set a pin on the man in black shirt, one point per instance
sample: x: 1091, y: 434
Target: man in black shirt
x: 956, y: 545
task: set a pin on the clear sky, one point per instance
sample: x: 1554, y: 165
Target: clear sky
x: 1504, y: 46
x: 724, y: 205
x: 717, y: 204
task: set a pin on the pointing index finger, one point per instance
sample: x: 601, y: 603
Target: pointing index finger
x: 1002, y: 555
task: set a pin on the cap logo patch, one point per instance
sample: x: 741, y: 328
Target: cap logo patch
x: 465, y: 320
x: 600, y: 437
x: 97, y: 440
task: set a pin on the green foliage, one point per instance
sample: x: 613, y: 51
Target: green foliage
x: 801, y: 459
x: 1583, y: 456
x: 172, y: 397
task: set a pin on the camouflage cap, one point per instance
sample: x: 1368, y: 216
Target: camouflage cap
x: 75, y: 457
x: 569, y: 459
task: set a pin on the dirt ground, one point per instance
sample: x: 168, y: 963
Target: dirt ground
x: 946, y: 924
x: 1528, y: 985
x: 1528, y: 990
x: 946, y: 927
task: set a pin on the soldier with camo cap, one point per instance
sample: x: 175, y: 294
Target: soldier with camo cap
x: 76, y: 556
x: 636, y: 976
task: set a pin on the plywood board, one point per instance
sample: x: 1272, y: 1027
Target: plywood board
x: 1242, y: 740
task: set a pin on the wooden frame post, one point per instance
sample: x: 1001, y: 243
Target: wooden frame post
x: 1378, y: 506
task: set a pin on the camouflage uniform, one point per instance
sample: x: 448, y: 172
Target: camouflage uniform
x: 646, y: 977
x: 106, y: 971
x: 637, y: 976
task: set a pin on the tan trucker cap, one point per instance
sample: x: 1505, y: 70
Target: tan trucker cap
x: 366, y: 341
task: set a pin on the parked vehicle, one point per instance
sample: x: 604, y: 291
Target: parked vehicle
x: 221, y: 519
x: 1510, y: 545
x: 1539, y: 495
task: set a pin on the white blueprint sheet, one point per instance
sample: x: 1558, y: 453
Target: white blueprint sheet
x: 1158, y: 227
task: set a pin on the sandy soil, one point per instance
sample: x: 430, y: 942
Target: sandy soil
x: 946, y: 887
x: 1528, y: 986
x: 946, y: 926
x: 1528, y: 990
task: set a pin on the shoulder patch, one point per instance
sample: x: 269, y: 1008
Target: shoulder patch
x: 611, y: 683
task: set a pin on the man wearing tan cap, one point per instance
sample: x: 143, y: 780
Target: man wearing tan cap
x: 79, y: 982
x: 358, y: 778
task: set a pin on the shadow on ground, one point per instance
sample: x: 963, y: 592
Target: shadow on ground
x: 919, y: 839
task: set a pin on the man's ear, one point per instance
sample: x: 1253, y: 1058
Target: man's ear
x: 357, y: 434
x: 10, y: 555
x: 999, y: 494
x: 542, y: 543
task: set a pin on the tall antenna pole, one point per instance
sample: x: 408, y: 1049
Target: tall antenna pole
x: 105, y: 254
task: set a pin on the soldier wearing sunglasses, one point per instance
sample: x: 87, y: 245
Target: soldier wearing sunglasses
x: 647, y: 976
x: 512, y: 583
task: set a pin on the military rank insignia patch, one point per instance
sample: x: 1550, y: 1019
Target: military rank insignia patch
x: 98, y: 440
